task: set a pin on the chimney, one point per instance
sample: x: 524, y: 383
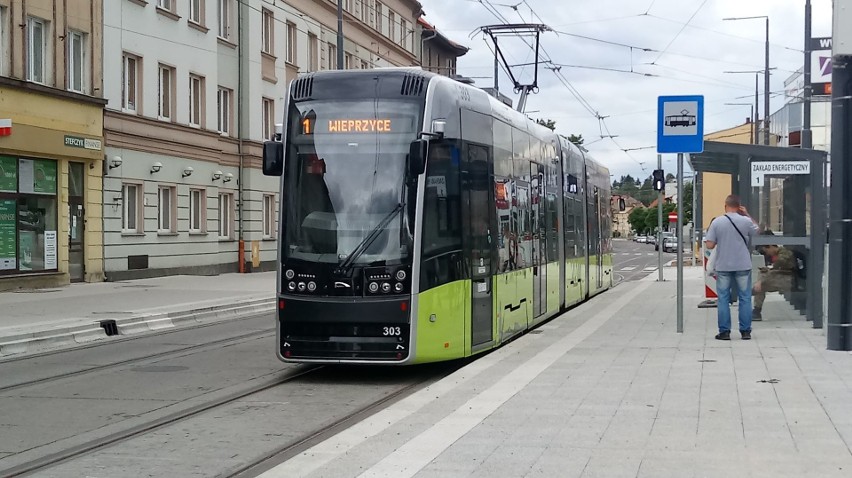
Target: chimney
x: 748, y: 120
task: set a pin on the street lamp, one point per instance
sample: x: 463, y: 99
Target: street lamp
x: 765, y: 76
x: 753, y: 138
x: 757, y: 107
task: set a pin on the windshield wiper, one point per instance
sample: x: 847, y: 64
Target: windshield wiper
x: 365, y: 243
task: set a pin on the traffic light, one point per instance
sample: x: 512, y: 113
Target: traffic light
x: 659, y: 180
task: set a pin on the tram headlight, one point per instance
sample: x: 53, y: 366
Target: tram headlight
x: 302, y: 286
x: 290, y: 274
x: 398, y: 287
x: 400, y: 275
x: 374, y: 287
x: 291, y: 286
x: 312, y: 286
x: 386, y: 287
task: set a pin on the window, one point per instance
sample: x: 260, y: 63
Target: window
x: 403, y: 33
x: 76, y: 61
x: 268, y: 118
x: 196, y: 101
x: 392, y: 26
x: 36, y: 46
x: 3, y: 41
x: 226, y: 221
x: 130, y: 83
x: 348, y: 61
x: 196, y: 11
x: 313, y: 46
x: 292, y: 48
x: 332, y: 57
x: 224, y: 19
x: 365, y: 11
x: 165, y: 209
x: 165, y: 4
x: 268, y: 215
x: 347, y: 5
x: 130, y: 208
x: 197, y: 211
x: 364, y: 65
x: 267, y: 32
x: 379, y: 12
x: 223, y: 102
x: 164, y: 93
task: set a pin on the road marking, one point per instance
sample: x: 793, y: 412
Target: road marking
x: 638, y: 254
x: 628, y: 269
x: 649, y: 269
x: 652, y: 254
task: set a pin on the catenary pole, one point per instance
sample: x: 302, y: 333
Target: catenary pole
x: 660, y: 199
x: 807, y: 135
x: 339, y: 34
x: 679, y: 241
x: 839, y: 321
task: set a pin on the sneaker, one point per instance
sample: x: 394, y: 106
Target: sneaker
x: 746, y: 334
x: 755, y: 315
x: 723, y: 335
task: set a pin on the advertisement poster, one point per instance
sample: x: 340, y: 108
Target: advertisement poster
x: 49, y: 250
x: 8, y: 174
x: 26, y: 175
x: 44, y: 180
x: 8, y: 261
x: 26, y: 247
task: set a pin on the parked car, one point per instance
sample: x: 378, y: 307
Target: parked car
x: 664, y: 236
x: 642, y: 240
x: 670, y: 244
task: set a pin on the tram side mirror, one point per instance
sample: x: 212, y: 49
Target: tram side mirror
x: 273, y: 158
x: 417, y: 157
x: 622, y: 205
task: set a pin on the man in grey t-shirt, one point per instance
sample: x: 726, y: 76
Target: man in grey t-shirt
x: 731, y: 236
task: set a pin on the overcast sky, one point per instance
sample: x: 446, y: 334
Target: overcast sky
x: 692, y: 46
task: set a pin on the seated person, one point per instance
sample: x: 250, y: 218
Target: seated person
x: 778, y: 278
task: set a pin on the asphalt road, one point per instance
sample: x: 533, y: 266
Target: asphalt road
x: 634, y: 261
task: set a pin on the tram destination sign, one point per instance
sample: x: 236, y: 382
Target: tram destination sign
x: 680, y: 124
x: 760, y: 169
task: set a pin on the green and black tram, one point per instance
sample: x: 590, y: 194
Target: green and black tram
x: 424, y: 220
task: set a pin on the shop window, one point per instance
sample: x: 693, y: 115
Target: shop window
x: 28, y: 221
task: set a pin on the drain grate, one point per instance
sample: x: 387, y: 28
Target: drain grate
x: 771, y: 380
x: 707, y: 360
x: 109, y: 327
x: 536, y: 331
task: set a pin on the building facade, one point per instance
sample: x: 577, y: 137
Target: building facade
x: 51, y: 142
x: 439, y: 53
x: 194, y: 88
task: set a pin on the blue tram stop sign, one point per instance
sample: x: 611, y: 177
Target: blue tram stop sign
x: 680, y: 124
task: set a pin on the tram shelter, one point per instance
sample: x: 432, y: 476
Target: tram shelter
x: 784, y: 189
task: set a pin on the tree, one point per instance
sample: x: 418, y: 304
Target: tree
x: 670, y: 177
x: 687, y: 202
x: 550, y: 124
x: 577, y: 139
x: 637, y: 219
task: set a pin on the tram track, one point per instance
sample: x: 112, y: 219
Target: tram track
x: 266, y: 459
x: 174, y: 353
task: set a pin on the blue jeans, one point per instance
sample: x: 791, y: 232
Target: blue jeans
x: 724, y: 282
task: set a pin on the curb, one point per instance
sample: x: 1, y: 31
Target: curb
x: 54, y: 338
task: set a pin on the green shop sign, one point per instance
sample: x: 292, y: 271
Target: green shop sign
x: 8, y: 174
x: 7, y: 235
x: 37, y: 176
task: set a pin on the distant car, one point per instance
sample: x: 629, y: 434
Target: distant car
x: 670, y: 244
x: 642, y: 240
x: 665, y: 235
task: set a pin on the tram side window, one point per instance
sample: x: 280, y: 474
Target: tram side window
x: 521, y: 210
x: 442, y: 232
x: 504, y: 198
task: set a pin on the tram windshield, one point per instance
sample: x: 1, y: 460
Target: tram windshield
x: 345, y: 180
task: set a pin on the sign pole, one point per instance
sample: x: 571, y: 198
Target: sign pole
x: 679, y: 241
x: 660, y: 199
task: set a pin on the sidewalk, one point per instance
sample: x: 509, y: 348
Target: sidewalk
x: 610, y: 389
x: 39, y: 319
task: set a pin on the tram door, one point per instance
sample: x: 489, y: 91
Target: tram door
x: 539, y: 240
x: 479, y: 219
x: 598, y: 238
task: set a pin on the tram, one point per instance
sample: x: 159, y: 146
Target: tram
x: 423, y: 220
